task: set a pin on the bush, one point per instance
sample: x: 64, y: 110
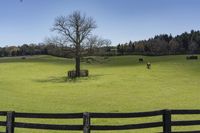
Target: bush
x: 192, y: 57
x: 23, y: 58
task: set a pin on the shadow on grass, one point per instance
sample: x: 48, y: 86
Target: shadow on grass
x: 64, y: 79
x: 52, y: 80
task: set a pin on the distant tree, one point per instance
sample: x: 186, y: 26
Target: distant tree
x: 57, y: 46
x: 120, y: 49
x: 25, y: 49
x: 160, y: 47
x: 91, y: 45
x: 185, y: 40
x: 1, y: 52
x: 193, y: 46
x: 131, y: 47
x: 75, y: 29
x: 97, y: 46
x: 103, y: 46
x: 140, y: 47
x: 56, y: 40
x: 174, y: 46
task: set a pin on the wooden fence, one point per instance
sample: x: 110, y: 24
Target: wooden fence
x: 87, y: 127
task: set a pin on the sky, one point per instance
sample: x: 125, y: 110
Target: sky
x: 120, y: 21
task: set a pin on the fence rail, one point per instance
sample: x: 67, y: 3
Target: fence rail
x: 87, y: 127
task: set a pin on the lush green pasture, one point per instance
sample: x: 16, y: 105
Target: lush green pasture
x: 117, y: 84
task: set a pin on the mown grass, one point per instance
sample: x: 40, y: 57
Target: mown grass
x: 117, y: 84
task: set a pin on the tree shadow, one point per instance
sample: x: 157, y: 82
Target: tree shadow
x: 63, y: 79
x: 52, y: 79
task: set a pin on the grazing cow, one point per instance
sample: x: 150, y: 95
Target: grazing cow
x: 148, y: 65
x: 141, y: 59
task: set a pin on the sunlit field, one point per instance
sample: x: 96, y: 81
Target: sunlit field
x: 117, y: 84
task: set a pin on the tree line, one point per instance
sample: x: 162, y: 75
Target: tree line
x: 186, y: 43
x: 96, y: 46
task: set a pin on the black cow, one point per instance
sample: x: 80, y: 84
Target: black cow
x: 141, y: 59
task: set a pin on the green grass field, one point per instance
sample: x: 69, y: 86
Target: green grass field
x: 119, y: 84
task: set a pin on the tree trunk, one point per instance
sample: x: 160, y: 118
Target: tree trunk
x: 78, y: 66
x: 78, y: 60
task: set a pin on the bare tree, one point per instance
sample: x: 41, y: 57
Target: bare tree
x: 95, y: 43
x: 91, y: 44
x: 56, y: 40
x: 75, y: 28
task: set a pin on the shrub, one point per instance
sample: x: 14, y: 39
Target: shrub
x: 192, y: 57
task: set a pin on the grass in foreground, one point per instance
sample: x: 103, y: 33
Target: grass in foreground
x: 120, y: 84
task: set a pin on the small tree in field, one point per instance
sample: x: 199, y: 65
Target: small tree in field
x: 75, y: 29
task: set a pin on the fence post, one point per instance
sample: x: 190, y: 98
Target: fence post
x: 167, y: 121
x: 86, y: 122
x: 10, y: 122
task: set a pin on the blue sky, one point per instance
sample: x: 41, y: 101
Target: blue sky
x: 30, y: 21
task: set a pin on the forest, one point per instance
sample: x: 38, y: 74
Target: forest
x: 186, y: 43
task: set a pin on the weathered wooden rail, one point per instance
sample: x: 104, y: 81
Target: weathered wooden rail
x: 87, y: 127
